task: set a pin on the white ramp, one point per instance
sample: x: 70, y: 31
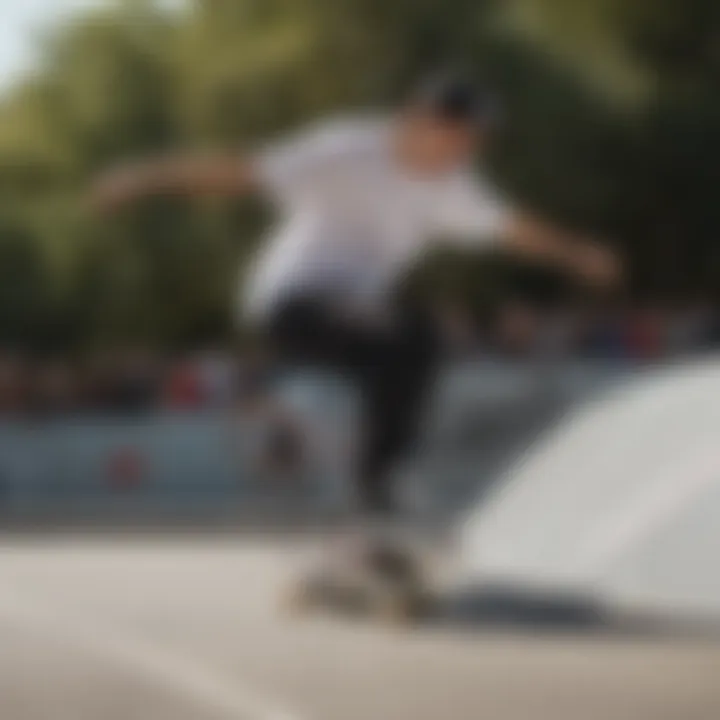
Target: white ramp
x: 620, y: 502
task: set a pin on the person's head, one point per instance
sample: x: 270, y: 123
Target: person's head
x: 444, y: 123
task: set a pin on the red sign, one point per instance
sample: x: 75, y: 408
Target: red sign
x: 126, y: 469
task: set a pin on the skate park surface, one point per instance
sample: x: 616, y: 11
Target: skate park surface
x: 188, y: 626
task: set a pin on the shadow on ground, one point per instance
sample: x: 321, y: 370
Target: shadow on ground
x: 500, y: 610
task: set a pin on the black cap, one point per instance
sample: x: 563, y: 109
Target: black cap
x: 456, y: 98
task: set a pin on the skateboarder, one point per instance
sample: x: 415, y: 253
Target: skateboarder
x: 360, y: 201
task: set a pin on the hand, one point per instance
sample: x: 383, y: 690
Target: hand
x: 117, y: 188
x: 592, y: 261
x: 597, y: 264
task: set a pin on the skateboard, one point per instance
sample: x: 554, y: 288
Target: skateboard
x: 380, y: 580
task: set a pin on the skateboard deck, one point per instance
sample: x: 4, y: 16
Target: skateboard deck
x: 381, y: 580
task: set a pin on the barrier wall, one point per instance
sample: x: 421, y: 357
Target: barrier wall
x: 483, y: 416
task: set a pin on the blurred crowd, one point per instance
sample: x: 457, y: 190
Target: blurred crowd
x: 128, y: 381
x: 638, y: 334
x: 138, y: 380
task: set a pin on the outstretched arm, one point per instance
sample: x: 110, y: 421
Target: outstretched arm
x: 283, y: 170
x: 591, y: 260
x: 471, y: 213
x: 188, y: 176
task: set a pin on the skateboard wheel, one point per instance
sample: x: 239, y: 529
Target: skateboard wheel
x: 300, y: 600
x: 394, y: 610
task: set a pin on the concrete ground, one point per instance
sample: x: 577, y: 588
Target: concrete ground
x: 188, y: 628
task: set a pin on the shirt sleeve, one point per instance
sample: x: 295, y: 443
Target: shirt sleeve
x: 296, y: 166
x: 470, y: 212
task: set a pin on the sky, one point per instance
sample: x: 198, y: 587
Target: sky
x: 20, y: 20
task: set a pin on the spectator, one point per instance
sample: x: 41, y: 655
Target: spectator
x: 183, y: 391
x: 136, y: 381
x: 95, y: 385
x: 692, y: 327
x: 518, y: 328
x: 216, y: 377
x: 605, y: 336
x: 459, y: 330
x: 645, y: 334
x: 560, y: 334
x: 12, y: 385
x: 53, y: 392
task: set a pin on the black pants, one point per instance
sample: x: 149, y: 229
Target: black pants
x: 393, y: 365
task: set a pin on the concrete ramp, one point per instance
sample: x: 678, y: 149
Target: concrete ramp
x: 620, y: 502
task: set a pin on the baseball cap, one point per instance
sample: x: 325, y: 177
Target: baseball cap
x: 457, y: 98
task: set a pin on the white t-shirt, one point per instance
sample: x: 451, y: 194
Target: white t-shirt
x: 353, y: 221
